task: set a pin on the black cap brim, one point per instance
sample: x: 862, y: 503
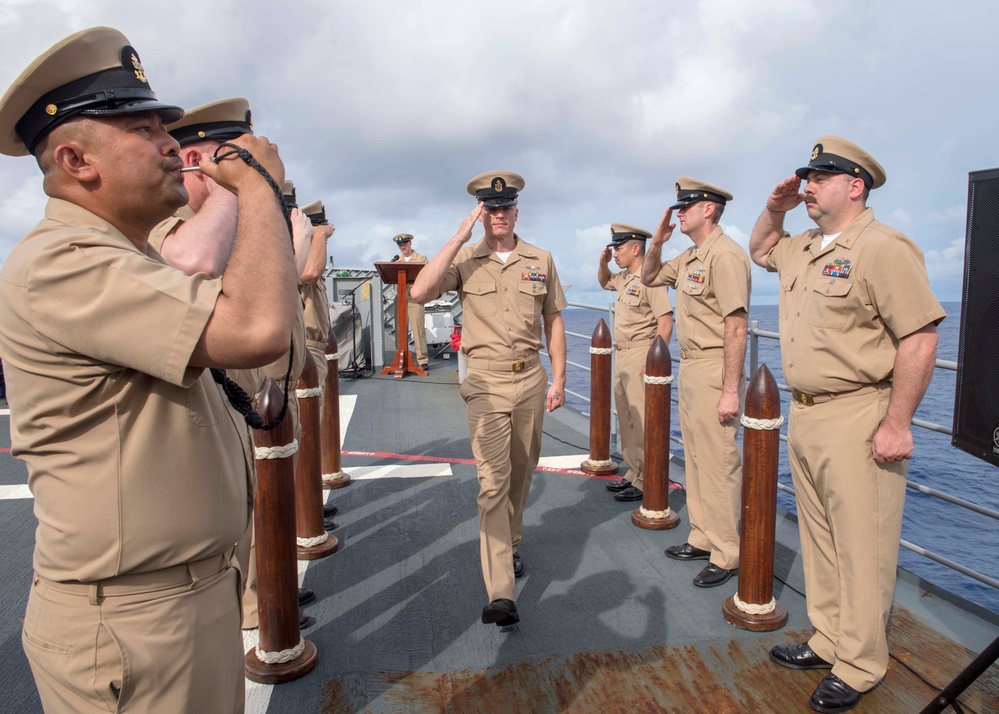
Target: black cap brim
x: 498, y: 202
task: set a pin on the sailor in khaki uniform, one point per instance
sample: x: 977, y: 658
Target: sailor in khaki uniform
x: 509, y: 291
x: 858, y: 343
x: 640, y: 315
x: 415, y: 312
x: 712, y: 283
x: 315, y: 301
x: 139, y: 467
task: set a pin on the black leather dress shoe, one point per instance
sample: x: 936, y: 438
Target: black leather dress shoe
x: 618, y: 485
x: 501, y: 612
x: 305, y: 622
x: 629, y: 494
x: 834, y: 695
x: 798, y: 657
x: 712, y: 576
x: 330, y: 510
x: 518, y: 566
x: 687, y: 552
x: 329, y: 524
x: 425, y: 367
x: 305, y: 596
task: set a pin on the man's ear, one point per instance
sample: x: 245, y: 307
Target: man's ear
x: 73, y: 160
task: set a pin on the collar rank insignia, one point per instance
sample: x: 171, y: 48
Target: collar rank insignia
x: 695, y: 276
x: 839, y: 268
x: 534, y: 277
x: 634, y: 290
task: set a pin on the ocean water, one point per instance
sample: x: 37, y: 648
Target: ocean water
x: 951, y: 531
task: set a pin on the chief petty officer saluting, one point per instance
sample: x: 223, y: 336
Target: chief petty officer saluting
x: 138, y: 465
x: 508, y: 288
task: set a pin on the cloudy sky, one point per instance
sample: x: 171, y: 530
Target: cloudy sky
x: 385, y: 109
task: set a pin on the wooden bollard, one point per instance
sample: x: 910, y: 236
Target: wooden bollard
x: 599, y: 462
x: 654, y: 513
x: 333, y: 474
x: 282, y: 654
x: 753, y: 607
x: 313, y: 540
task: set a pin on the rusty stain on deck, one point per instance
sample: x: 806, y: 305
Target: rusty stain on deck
x: 717, y: 676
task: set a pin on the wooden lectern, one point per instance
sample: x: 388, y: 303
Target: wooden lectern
x: 401, y: 273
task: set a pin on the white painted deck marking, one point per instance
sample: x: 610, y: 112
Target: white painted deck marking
x: 4, y: 412
x: 365, y: 473
x: 563, y: 462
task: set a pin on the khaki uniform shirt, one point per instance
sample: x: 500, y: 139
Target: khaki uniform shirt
x: 279, y: 368
x: 316, y: 313
x: 502, y: 303
x: 639, y: 308
x: 159, y: 234
x: 843, y: 309
x: 135, y: 460
x: 711, y: 282
x: 414, y: 258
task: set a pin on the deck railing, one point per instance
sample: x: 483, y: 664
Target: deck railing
x: 755, y: 335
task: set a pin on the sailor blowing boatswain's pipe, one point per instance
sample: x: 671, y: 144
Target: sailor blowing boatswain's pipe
x: 138, y: 531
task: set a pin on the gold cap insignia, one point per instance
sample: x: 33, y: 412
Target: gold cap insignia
x: 51, y: 109
x: 498, y: 184
x: 816, y: 151
x: 201, y: 135
x: 140, y: 73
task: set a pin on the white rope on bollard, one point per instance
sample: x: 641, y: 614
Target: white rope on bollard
x: 275, y: 452
x: 338, y: 476
x: 310, y: 392
x: 312, y: 542
x: 601, y: 350
x: 283, y: 655
x: 656, y: 515
x: 330, y: 358
x: 762, y: 424
x: 751, y: 609
x: 594, y: 464
x: 657, y: 380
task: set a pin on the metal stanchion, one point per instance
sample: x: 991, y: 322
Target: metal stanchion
x: 333, y: 475
x: 753, y: 607
x: 599, y: 462
x: 313, y: 540
x: 654, y: 513
x: 282, y: 654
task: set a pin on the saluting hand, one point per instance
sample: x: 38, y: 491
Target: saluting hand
x: 605, y: 255
x: 464, y: 233
x: 665, y: 229
x: 786, y: 196
x: 233, y: 173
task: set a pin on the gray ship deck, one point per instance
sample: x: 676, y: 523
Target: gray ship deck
x: 608, y: 624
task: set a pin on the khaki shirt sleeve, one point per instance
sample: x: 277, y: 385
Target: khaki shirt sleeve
x: 901, y: 294
x: 158, y: 236
x: 452, y: 278
x: 614, y: 283
x: 730, y: 280
x: 659, y: 301
x: 555, y: 299
x: 147, y: 316
x: 778, y: 254
x: 669, y: 271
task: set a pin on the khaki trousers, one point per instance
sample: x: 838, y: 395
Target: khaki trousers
x: 158, y: 648
x: 415, y: 312
x: 319, y: 356
x: 713, y: 463
x: 850, y: 518
x: 629, y: 398
x: 506, y: 412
